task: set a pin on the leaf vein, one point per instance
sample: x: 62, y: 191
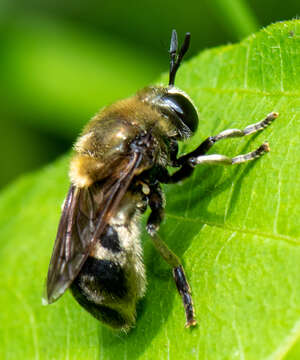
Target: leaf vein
x: 286, y: 238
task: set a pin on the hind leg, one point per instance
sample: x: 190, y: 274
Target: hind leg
x: 156, y: 203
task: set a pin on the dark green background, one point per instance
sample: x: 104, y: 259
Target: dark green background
x: 63, y: 60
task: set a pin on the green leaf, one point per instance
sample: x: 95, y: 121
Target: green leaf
x: 235, y: 228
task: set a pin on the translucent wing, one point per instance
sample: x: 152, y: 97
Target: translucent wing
x: 84, y: 217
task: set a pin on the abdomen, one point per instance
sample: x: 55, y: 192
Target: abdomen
x: 113, y: 277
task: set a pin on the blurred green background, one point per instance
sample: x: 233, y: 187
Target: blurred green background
x: 63, y: 60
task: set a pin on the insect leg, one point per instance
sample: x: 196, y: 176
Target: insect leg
x: 214, y: 159
x: 156, y: 203
x: 229, y: 133
x: 188, y: 161
x: 179, y: 277
x: 217, y: 159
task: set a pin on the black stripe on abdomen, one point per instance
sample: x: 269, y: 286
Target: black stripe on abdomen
x: 99, y: 283
x: 104, y: 275
x: 110, y: 239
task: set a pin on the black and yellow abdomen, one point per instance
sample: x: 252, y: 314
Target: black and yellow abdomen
x: 113, y: 277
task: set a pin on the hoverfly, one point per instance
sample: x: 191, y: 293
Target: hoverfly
x: 120, y: 160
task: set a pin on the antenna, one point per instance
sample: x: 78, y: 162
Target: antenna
x: 175, y: 56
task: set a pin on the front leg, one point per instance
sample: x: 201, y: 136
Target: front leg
x: 156, y: 203
x: 216, y: 159
x: 196, y: 157
x: 229, y: 133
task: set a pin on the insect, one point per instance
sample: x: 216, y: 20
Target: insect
x: 120, y: 160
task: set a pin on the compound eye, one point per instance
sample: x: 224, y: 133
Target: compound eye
x: 183, y: 108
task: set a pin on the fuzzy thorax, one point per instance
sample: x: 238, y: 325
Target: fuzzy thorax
x: 84, y: 170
